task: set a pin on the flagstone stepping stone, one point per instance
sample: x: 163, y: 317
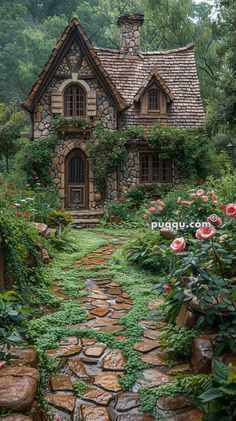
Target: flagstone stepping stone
x: 120, y: 338
x: 122, y: 306
x: 61, y: 382
x: 90, y: 317
x: 114, y: 291
x: 153, y: 378
x: 77, y: 367
x: 94, y: 413
x: 118, y: 314
x: 72, y: 340
x: 99, y: 322
x: 146, y: 345
x: 135, y: 417
x: 126, y: 401
x: 101, y: 397
x: 125, y: 295
x: 102, y: 304
x: 156, y: 358
x: 151, y: 334
x: 168, y: 403
x: 114, y: 284
x: 153, y: 304
x: 108, y: 381
x: 88, y: 341
x: 180, y: 368
x: 64, y: 351
x: 66, y: 402
x: 114, y: 360
x: 120, y: 300
x: 18, y: 387
x: 95, y: 350
x: 148, y: 324
x: 100, y: 312
x: 117, y: 328
x: 98, y: 296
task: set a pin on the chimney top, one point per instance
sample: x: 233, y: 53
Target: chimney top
x: 130, y: 18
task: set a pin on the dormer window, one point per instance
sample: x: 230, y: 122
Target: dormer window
x: 74, y: 101
x: 153, y: 99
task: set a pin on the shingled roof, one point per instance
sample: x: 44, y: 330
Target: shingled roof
x: 125, y: 77
x: 73, y: 32
x: 177, y: 69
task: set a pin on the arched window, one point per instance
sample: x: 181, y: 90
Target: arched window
x: 74, y: 101
x: 153, y: 99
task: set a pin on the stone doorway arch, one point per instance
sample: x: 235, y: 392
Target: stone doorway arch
x: 76, y: 180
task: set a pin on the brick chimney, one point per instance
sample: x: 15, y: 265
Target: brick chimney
x: 130, y: 25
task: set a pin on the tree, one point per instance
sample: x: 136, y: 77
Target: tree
x: 11, y: 122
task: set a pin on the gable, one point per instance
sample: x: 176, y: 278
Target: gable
x: 74, y: 40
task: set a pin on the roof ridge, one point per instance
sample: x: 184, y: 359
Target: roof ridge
x: 174, y: 50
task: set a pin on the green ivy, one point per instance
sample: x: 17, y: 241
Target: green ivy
x: 70, y: 122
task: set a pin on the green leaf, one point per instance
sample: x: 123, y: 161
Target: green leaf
x: 211, y: 394
x: 220, y: 369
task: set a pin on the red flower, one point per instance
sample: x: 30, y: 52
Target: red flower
x: 1, y: 182
x: 19, y: 215
x: 26, y: 216
x: 167, y: 288
x: 222, y: 207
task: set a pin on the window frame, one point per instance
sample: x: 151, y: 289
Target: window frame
x: 150, y: 172
x: 75, y: 108
x: 158, y: 99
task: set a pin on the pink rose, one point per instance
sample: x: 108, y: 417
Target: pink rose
x: 152, y: 210
x: 214, y: 202
x: 159, y: 202
x: 214, y: 219
x: 2, y: 363
x: 145, y: 216
x: 179, y: 199
x: 214, y: 196
x: 204, y: 198
x: 167, y: 288
x: 193, y: 196
x: 205, y: 233
x: 186, y: 203
x: 200, y: 192
x: 178, y: 245
x: 160, y: 208
x: 152, y: 202
x: 230, y: 210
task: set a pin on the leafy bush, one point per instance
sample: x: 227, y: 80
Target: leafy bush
x: 220, y: 399
x: 35, y: 160
x: 12, y: 320
x: 59, y: 218
x: 118, y: 207
x: 144, y: 192
x: 177, y: 341
x: 149, y: 250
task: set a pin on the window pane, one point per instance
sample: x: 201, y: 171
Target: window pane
x: 144, y: 169
x: 153, y: 99
x: 166, y: 171
x: 74, y: 101
x: 155, y: 168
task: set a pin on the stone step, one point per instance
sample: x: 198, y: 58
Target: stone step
x: 86, y: 223
x: 87, y: 214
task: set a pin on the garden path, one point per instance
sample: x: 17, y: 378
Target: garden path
x: 93, y: 362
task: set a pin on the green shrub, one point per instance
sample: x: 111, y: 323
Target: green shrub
x: 56, y: 218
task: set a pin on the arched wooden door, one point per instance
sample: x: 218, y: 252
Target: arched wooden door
x: 76, y: 180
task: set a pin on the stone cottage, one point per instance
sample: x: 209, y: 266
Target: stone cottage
x: 115, y: 88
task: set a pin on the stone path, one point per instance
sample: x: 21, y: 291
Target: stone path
x: 101, y: 367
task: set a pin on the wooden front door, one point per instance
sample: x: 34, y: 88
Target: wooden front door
x: 76, y: 180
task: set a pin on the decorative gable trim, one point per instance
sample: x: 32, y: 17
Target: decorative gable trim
x: 154, y: 76
x: 74, y: 33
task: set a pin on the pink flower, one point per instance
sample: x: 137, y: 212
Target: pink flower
x: 214, y: 196
x: 167, y: 288
x: 159, y: 202
x: 200, y: 192
x: 231, y: 210
x: 179, y: 199
x: 2, y: 363
x: 152, y: 210
x: 145, y: 216
x: 186, y: 202
x: 160, y: 208
x: 204, y: 198
x: 178, y: 245
x: 214, y: 202
x: 205, y: 233
x: 216, y: 220
x: 152, y: 202
x: 193, y: 196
